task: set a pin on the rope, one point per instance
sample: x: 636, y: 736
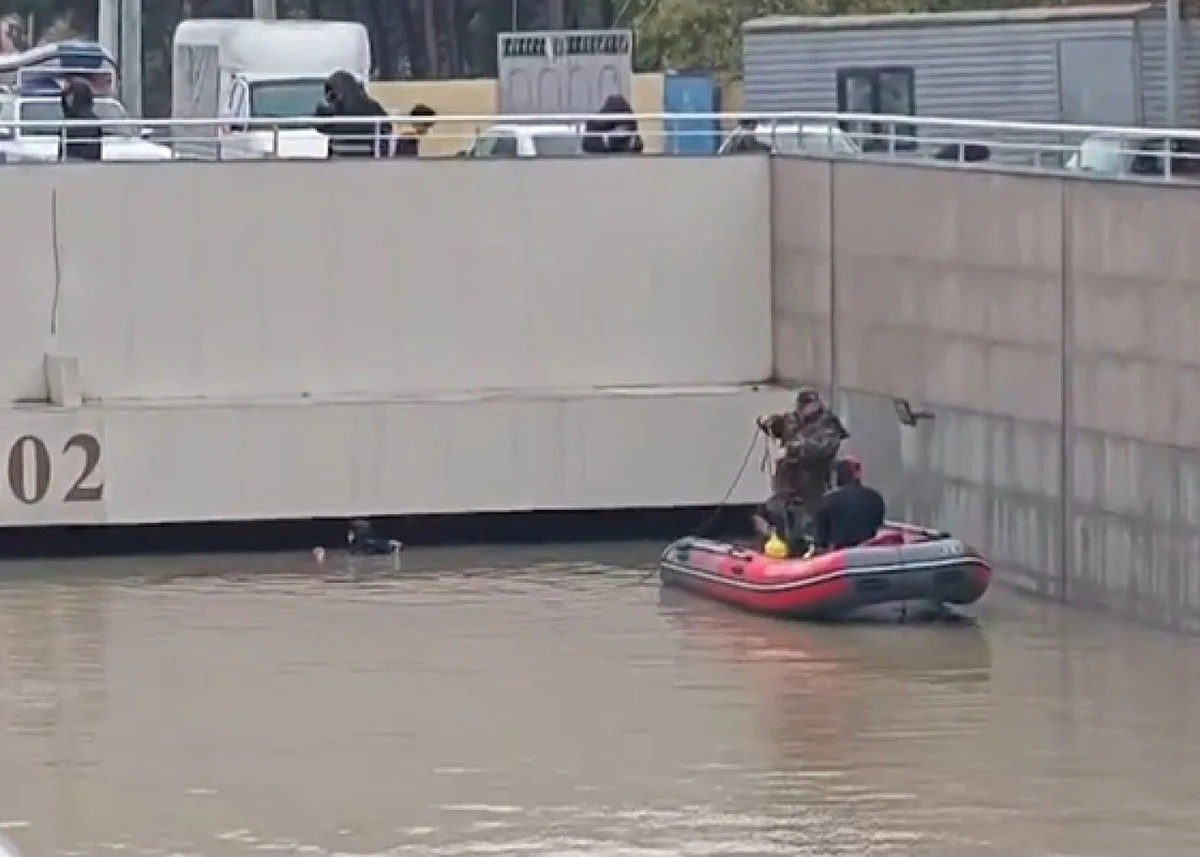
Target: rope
x: 720, y: 507
x: 741, y: 471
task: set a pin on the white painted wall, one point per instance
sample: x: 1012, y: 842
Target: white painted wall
x: 297, y: 340
x: 27, y: 284
x: 301, y: 459
x: 217, y: 280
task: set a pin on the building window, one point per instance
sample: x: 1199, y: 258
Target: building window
x: 886, y: 90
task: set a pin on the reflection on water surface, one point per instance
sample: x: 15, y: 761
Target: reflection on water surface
x: 548, y: 702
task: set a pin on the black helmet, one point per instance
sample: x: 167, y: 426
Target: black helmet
x: 360, y: 529
x: 807, y: 396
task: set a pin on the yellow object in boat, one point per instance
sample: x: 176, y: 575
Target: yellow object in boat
x: 776, y: 548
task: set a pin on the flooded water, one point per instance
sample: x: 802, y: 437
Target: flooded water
x: 552, y: 701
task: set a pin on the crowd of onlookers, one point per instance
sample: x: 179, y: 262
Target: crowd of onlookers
x: 346, y: 97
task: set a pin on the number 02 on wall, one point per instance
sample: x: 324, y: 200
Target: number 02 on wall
x: 32, y: 466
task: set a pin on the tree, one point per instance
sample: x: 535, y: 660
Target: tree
x: 698, y: 34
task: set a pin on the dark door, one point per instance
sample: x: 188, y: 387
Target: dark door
x: 884, y: 90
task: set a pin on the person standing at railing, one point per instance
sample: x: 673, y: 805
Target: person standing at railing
x: 408, y: 144
x: 744, y: 140
x: 616, y: 136
x: 344, y: 98
x: 80, y: 143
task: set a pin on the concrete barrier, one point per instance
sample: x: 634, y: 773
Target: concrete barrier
x: 27, y: 247
x: 288, y: 340
x: 802, y: 270
x: 1134, y: 493
x: 289, y: 279
x: 134, y: 463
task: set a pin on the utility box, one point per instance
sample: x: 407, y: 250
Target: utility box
x: 562, y: 72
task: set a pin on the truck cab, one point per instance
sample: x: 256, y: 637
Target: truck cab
x: 232, y: 74
x: 267, y: 96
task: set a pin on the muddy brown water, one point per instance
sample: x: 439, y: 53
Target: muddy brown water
x: 548, y: 702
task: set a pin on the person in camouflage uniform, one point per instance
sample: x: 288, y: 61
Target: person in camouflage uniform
x: 811, y: 436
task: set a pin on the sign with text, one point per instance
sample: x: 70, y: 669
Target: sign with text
x: 52, y: 468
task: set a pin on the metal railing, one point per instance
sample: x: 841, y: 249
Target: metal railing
x: 1134, y: 151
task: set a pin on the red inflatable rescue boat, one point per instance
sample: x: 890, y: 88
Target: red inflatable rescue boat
x: 901, y: 565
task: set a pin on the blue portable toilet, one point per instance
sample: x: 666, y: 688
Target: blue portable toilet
x: 691, y: 92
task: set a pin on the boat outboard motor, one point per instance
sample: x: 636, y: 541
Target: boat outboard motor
x: 361, y: 540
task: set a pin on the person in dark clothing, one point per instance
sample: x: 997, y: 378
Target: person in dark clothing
x: 811, y: 436
x: 616, y: 136
x: 80, y: 143
x: 408, y: 145
x: 361, y: 540
x: 744, y: 140
x: 851, y: 513
x: 346, y: 97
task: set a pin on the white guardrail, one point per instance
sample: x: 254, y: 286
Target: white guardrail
x: 1092, y: 149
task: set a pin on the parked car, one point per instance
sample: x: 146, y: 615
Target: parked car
x: 1113, y: 156
x: 527, y: 141
x: 121, y: 142
x: 817, y: 141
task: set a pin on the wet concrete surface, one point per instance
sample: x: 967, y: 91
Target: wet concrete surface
x: 552, y: 701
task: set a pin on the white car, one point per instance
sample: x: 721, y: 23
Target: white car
x: 121, y: 142
x: 1114, y: 156
x: 527, y: 141
x: 818, y: 141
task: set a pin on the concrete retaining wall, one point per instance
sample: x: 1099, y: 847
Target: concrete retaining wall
x: 1133, y: 287
x: 209, y: 281
x: 299, y: 340
x: 1049, y: 324
x: 131, y: 463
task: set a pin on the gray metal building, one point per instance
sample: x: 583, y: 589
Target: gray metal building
x: 1098, y: 65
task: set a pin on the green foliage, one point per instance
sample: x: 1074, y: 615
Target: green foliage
x: 699, y: 34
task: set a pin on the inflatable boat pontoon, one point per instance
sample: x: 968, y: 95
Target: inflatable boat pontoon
x: 901, y: 565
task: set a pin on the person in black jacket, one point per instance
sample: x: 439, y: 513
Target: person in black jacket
x: 408, y: 144
x: 851, y: 513
x: 80, y: 143
x: 345, y: 97
x: 361, y: 540
x: 618, y: 136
